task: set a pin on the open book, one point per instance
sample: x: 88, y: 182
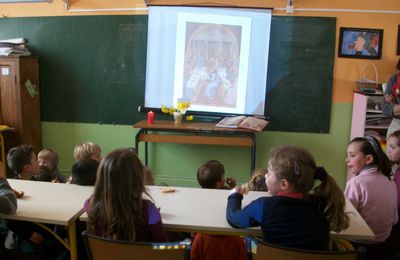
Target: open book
x: 252, y: 123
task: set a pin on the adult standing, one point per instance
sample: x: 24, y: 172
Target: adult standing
x: 391, y: 101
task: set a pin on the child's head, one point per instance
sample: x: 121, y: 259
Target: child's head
x: 117, y: 195
x: 83, y: 172
x: 365, y: 151
x: 48, y: 158
x: 292, y: 169
x: 87, y: 150
x: 257, y: 180
x: 22, y: 161
x: 148, y: 176
x: 393, y: 146
x: 45, y: 173
x: 211, y: 175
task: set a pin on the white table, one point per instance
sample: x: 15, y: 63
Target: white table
x: 204, y: 210
x: 51, y: 203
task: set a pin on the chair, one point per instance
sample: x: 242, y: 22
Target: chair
x: 260, y: 250
x: 100, y: 248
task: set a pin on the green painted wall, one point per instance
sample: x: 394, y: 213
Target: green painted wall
x: 176, y: 164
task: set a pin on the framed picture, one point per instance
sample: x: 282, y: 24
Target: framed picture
x: 360, y: 43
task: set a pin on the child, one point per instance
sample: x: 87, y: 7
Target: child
x: 22, y: 161
x: 117, y: 210
x: 83, y: 172
x: 256, y: 182
x: 211, y: 175
x: 8, y: 200
x: 205, y: 246
x: 372, y: 192
x: 87, y: 150
x: 393, y: 150
x: 292, y: 216
x: 49, y: 158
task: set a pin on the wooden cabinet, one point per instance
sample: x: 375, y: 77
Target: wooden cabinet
x: 20, y: 99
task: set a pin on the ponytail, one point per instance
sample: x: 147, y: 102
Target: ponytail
x: 331, y: 201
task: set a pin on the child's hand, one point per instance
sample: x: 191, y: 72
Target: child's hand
x: 18, y: 194
x: 231, y: 182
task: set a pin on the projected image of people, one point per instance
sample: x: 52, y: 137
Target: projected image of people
x: 212, y: 54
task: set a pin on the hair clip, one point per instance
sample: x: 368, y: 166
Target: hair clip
x: 296, y: 168
x: 372, y: 142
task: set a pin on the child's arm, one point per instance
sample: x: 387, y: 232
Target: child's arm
x: 250, y: 216
x: 157, y: 231
x: 8, y: 200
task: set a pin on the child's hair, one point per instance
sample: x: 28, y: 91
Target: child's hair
x: 117, y: 199
x: 297, y: 166
x: 45, y: 174
x: 83, y: 172
x: 19, y: 156
x: 370, y: 146
x: 85, y: 150
x: 396, y: 134
x: 50, y: 155
x: 257, y: 181
x: 148, y: 176
x: 210, y: 173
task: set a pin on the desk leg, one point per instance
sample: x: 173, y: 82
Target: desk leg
x: 253, y: 153
x: 72, y: 240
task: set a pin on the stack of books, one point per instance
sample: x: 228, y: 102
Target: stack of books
x: 14, y: 47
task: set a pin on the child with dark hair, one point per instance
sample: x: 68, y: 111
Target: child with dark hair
x: 256, y: 182
x: 373, y: 194
x: 299, y: 214
x: 204, y: 246
x: 83, y: 172
x: 211, y: 175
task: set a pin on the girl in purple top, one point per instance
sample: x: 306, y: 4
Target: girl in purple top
x: 117, y: 210
x: 393, y: 151
x: 372, y: 193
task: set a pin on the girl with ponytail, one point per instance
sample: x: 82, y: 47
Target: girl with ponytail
x: 298, y: 214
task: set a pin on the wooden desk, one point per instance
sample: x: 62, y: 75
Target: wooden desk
x: 52, y: 203
x: 193, y: 133
x: 204, y: 210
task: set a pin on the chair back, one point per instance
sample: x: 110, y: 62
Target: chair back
x: 261, y: 250
x: 99, y: 248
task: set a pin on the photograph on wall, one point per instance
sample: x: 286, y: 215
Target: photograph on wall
x: 360, y: 43
x: 212, y: 61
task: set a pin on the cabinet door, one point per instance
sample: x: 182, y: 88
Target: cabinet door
x: 359, y: 114
x: 9, y: 94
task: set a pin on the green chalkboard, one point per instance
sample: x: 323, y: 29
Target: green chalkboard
x: 92, y: 68
x: 300, y: 73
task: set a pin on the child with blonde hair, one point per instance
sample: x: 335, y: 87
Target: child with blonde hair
x: 49, y: 158
x: 293, y: 216
x: 87, y: 150
x: 373, y: 194
x: 256, y: 182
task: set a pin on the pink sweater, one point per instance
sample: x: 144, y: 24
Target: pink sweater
x: 375, y: 198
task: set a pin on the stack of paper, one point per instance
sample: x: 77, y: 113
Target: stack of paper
x: 14, y: 47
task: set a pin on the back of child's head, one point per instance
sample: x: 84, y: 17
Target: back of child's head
x: 368, y: 145
x: 118, y: 195
x: 87, y: 150
x: 148, y: 176
x: 257, y: 180
x: 48, y: 158
x: 210, y: 173
x: 297, y: 166
x: 83, y: 172
x: 45, y: 173
x: 19, y: 156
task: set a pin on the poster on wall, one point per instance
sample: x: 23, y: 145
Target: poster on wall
x: 360, y: 43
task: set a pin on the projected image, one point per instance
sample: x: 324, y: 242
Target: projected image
x: 207, y: 69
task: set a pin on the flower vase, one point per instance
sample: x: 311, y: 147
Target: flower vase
x: 178, y: 117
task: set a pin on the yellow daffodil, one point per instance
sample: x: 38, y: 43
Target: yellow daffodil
x: 181, y: 107
x: 189, y: 118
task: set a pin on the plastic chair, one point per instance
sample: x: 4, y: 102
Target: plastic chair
x: 260, y: 250
x: 100, y: 248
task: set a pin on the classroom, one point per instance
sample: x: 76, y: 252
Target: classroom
x: 92, y: 73
x: 328, y: 147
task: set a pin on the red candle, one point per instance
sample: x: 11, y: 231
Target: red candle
x: 150, y: 117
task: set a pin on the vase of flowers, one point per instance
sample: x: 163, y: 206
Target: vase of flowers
x: 178, y: 112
